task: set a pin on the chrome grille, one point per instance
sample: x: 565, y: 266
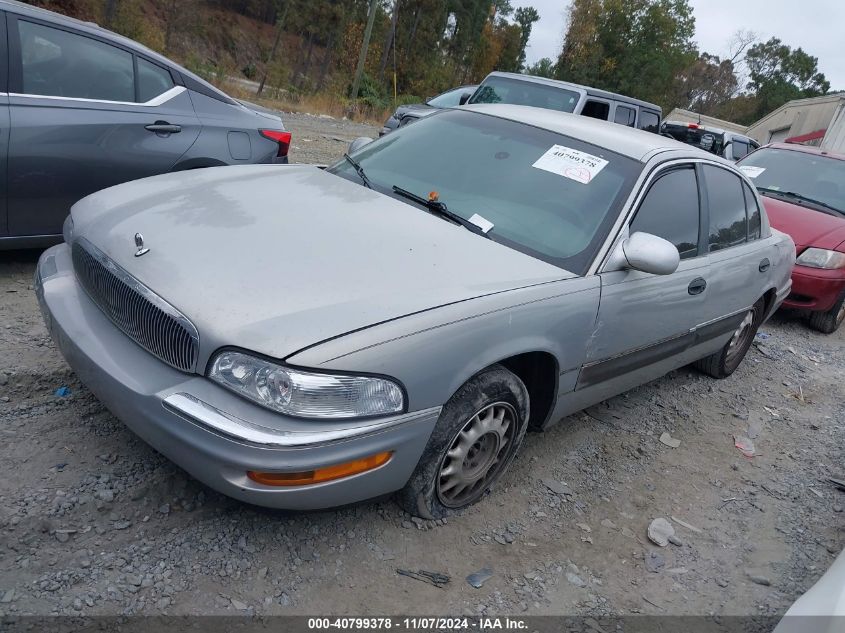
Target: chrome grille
x: 141, y: 314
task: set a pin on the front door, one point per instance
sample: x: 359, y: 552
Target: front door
x: 85, y: 115
x: 646, y: 322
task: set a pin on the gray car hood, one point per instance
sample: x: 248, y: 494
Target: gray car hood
x: 278, y: 258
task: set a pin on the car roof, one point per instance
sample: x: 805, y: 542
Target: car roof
x: 806, y: 149
x: 596, y: 92
x: 93, y: 28
x: 636, y: 144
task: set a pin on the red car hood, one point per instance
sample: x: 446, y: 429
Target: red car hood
x: 805, y: 226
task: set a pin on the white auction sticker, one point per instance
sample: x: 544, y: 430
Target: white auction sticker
x: 571, y: 163
x: 751, y: 171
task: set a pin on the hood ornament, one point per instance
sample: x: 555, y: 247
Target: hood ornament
x: 139, y: 243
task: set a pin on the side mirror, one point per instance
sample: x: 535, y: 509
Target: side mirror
x: 649, y: 254
x: 464, y: 98
x: 358, y: 143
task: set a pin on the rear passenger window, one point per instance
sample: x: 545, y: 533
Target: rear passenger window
x: 728, y: 224
x: 63, y: 64
x: 649, y: 121
x: 596, y: 110
x: 152, y: 80
x: 625, y: 116
x: 752, y: 210
x: 670, y: 210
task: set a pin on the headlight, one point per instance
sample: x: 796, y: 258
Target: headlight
x: 303, y: 393
x: 821, y: 258
x: 67, y: 229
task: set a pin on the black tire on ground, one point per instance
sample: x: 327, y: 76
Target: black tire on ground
x: 473, y: 443
x: 828, y: 322
x: 725, y: 362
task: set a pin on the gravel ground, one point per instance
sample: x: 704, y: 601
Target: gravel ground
x: 95, y: 522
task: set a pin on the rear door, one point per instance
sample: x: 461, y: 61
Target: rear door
x: 738, y: 258
x: 86, y: 113
x: 646, y: 322
x: 4, y: 123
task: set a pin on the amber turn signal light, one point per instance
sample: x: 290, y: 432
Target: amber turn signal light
x: 329, y: 473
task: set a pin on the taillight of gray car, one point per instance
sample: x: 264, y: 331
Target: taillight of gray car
x: 278, y: 136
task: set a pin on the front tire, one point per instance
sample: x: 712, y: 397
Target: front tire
x: 474, y: 441
x: 725, y: 362
x: 828, y: 322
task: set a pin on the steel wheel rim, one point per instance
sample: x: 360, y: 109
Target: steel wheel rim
x: 477, y: 454
x: 741, y: 336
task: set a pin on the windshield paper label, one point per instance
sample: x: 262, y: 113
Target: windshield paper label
x: 751, y: 171
x: 570, y: 163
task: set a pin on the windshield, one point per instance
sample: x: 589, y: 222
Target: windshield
x: 812, y: 176
x: 547, y: 195
x: 713, y: 142
x: 530, y: 93
x: 451, y: 98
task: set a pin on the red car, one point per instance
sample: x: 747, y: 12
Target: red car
x: 803, y: 189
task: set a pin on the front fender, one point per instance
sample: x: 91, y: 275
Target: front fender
x: 433, y: 353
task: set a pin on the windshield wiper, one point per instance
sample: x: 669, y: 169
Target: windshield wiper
x: 442, y: 210
x: 801, y: 198
x: 359, y: 170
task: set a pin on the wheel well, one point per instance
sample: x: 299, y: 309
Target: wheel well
x: 769, y: 298
x: 539, y: 372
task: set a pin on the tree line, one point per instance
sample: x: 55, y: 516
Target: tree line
x: 641, y: 48
x: 645, y: 49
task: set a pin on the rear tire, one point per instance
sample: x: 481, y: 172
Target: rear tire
x: 474, y: 441
x: 828, y: 322
x: 725, y: 362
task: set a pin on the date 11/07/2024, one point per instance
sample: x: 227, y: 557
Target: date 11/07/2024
x: 418, y: 623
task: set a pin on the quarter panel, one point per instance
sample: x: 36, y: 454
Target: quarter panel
x: 434, y: 353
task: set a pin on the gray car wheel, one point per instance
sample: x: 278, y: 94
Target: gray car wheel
x: 472, y: 445
x: 828, y: 322
x: 725, y: 362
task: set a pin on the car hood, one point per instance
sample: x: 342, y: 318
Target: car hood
x: 807, y: 227
x: 411, y: 107
x: 277, y: 258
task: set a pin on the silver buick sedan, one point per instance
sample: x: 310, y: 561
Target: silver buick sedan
x: 299, y: 337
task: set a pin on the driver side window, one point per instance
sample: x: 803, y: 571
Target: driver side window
x: 670, y: 210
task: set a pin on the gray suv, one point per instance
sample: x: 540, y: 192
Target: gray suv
x: 82, y: 109
x: 551, y: 94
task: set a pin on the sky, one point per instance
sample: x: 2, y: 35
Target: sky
x: 814, y: 25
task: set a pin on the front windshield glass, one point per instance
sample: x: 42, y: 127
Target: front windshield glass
x: 524, y: 92
x: 812, y: 176
x: 547, y: 195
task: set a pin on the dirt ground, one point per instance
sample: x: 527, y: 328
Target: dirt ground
x: 93, y: 521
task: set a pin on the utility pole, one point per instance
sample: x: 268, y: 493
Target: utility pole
x: 362, y: 57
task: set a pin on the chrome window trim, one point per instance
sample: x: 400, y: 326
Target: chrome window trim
x: 213, y: 419
x: 163, y: 98
x: 619, y: 230
x: 147, y: 294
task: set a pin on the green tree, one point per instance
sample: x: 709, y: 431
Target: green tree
x: 635, y: 47
x: 543, y: 68
x: 706, y: 85
x: 525, y: 18
x: 778, y: 74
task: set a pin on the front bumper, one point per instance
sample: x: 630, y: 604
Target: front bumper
x: 815, y: 289
x: 210, y: 432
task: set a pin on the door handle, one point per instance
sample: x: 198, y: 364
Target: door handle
x: 163, y: 127
x: 696, y: 286
x: 764, y: 265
